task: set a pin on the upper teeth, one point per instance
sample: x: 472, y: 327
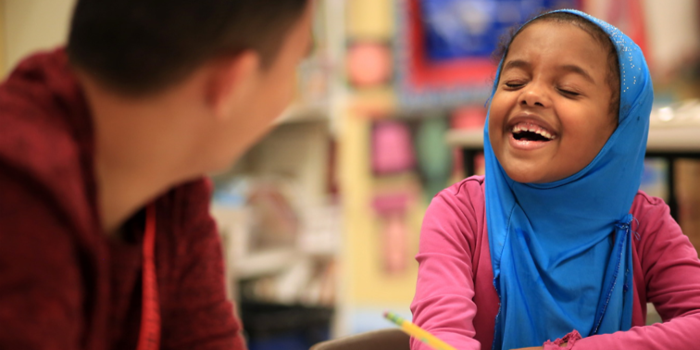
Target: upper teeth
x: 532, y: 128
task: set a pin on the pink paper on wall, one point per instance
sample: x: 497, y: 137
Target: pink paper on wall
x: 392, y: 150
x: 391, y: 208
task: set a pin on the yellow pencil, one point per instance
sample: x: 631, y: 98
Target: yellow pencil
x: 417, y: 332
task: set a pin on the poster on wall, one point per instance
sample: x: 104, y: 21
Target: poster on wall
x: 444, y: 47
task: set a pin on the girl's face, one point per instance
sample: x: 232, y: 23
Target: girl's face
x: 550, y: 114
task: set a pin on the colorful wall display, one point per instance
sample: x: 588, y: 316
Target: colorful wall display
x: 443, y: 47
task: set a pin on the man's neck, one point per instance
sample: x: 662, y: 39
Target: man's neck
x: 122, y: 194
x: 139, y: 153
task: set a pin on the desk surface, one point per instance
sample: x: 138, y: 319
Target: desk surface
x: 677, y: 139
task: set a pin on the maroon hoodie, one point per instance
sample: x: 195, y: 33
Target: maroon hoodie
x: 63, y: 283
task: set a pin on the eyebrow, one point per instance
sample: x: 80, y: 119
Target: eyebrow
x: 517, y: 64
x: 576, y: 69
x: 572, y: 68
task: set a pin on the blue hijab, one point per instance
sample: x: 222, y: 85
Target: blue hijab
x: 561, y: 251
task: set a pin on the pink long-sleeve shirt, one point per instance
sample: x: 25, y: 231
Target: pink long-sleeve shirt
x: 456, y: 300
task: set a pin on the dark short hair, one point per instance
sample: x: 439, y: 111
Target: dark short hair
x: 613, y: 76
x: 142, y: 46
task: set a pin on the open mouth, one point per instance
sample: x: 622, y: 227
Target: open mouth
x: 531, y: 132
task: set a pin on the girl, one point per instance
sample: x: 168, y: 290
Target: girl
x: 556, y: 241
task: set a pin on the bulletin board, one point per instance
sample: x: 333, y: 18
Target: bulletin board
x: 444, y: 48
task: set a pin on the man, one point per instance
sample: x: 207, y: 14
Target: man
x: 147, y: 97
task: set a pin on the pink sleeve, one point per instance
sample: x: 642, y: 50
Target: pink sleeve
x: 672, y: 276
x: 443, y: 302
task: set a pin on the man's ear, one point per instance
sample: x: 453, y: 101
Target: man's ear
x: 231, y: 81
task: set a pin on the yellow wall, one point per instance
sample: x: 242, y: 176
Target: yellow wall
x: 31, y: 25
x: 366, y: 287
x: 367, y: 282
x: 370, y: 19
x: 2, y: 38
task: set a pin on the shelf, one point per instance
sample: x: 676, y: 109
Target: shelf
x: 297, y: 113
x: 677, y: 138
x: 264, y: 263
x: 465, y: 138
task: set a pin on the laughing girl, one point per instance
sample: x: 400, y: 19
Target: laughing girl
x: 556, y: 242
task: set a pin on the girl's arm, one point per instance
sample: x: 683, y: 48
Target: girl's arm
x: 443, y: 302
x: 672, y: 275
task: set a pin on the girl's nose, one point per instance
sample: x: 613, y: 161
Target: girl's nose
x: 534, y: 96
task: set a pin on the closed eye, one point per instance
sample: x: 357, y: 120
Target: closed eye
x: 569, y: 92
x: 513, y: 85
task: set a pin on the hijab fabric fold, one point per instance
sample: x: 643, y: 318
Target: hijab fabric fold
x: 561, y: 251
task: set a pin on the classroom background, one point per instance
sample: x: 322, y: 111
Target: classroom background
x: 320, y: 220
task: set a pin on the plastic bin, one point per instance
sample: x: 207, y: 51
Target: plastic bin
x: 284, y: 327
